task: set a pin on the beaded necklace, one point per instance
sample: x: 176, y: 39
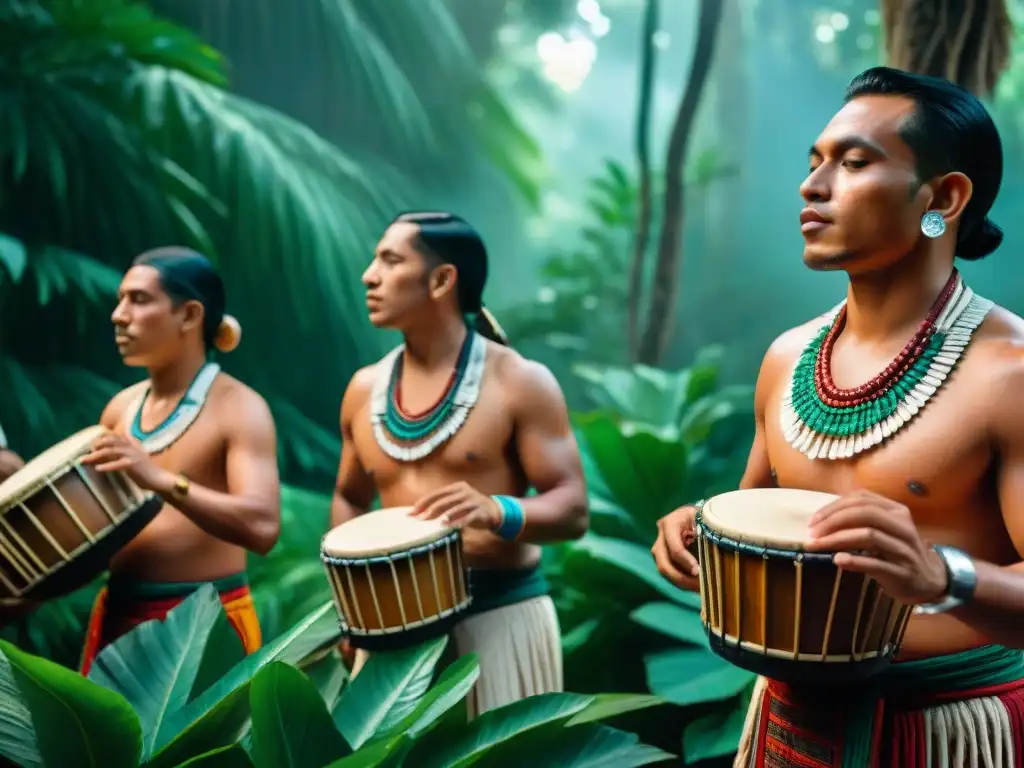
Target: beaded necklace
x: 167, y: 432
x: 419, y: 435
x: 824, y: 421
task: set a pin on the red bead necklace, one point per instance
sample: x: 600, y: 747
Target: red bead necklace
x: 423, y: 414
x: 835, y: 397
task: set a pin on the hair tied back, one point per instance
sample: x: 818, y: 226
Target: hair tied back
x: 488, y: 325
x: 229, y: 335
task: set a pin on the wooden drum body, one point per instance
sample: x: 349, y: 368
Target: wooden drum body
x: 396, y: 580
x: 774, y: 609
x: 61, y: 521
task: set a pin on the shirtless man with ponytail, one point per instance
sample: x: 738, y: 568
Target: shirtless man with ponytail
x: 199, y: 438
x: 426, y: 280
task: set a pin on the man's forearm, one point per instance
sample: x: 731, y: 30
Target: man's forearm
x: 997, y: 608
x: 343, y: 510
x: 556, y: 515
x: 252, y: 523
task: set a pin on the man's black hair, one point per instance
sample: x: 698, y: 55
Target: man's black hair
x: 450, y: 239
x: 186, y: 275
x: 949, y: 130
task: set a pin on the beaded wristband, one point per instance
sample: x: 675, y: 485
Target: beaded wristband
x: 513, y: 519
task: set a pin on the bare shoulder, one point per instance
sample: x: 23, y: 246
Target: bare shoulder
x: 361, y: 383
x: 532, y: 381
x: 996, y: 357
x: 115, y: 411
x: 357, y: 392
x: 783, y: 352
x: 246, y: 407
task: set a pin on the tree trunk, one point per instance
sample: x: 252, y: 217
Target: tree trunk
x: 670, y: 244
x: 965, y: 41
x: 643, y: 159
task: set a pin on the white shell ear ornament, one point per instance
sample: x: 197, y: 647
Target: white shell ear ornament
x: 933, y: 225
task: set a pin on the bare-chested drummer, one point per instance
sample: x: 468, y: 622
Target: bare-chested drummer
x: 426, y: 277
x: 199, y: 438
x: 906, y: 403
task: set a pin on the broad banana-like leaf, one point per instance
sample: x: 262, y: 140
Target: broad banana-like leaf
x: 388, y: 688
x: 77, y: 722
x: 155, y: 665
x: 17, y: 734
x: 290, y: 722
x: 217, y: 716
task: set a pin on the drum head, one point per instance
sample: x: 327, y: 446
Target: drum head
x: 27, y: 479
x: 382, y: 533
x: 765, y: 517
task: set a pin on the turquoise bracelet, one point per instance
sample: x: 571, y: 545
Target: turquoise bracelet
x: 512, y: 517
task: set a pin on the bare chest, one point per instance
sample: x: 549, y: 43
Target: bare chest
x: 476, y: 453
x: 938, y: 465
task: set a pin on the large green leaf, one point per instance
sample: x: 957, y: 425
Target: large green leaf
x: 17, y: 734
x: 382, y: 754
x: 717, y: 733
x: 636, y: 561
x: 232, y: 756
x: 451, y: 689
x: 387, y: 689
x: 585, y: 746
x: 678, y: 622
x: 645, y: 472
x: 329, y: 674
x: 641, y: 393
x: 154, y: 666
x: 496, y: 726
x: 607, y: 705
x: 77, y: 722
x: 687, y: 676
x: 217, y: 716
x: 291, y: 727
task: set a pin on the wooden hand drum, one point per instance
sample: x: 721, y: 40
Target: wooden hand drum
x: 396, y: 580
x: 772, y: 608
x: 61, y: 521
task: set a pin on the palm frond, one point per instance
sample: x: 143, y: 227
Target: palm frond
x: 61, y: 272
x: 77, y: 166
x: 13, y: 256
x: 300, y: 209
x: 44, y: 404
x: 403, y: 83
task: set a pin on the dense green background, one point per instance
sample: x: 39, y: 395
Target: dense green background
x: 281, y: 137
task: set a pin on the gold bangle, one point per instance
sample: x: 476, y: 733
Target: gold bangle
x: 181, y: 487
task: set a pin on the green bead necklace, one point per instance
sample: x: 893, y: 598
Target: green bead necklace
x: 411, y: 437
x: 823, y: 421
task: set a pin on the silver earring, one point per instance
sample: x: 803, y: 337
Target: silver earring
x: 932, y: 224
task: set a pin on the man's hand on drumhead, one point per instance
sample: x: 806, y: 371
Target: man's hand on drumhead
x: 676, y: 531
x: 459, y: 505
x: 876, y: 536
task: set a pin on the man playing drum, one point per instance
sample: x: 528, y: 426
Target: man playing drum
x: 427, y: 275
x: 202, y: 440
x: 930, y: 474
